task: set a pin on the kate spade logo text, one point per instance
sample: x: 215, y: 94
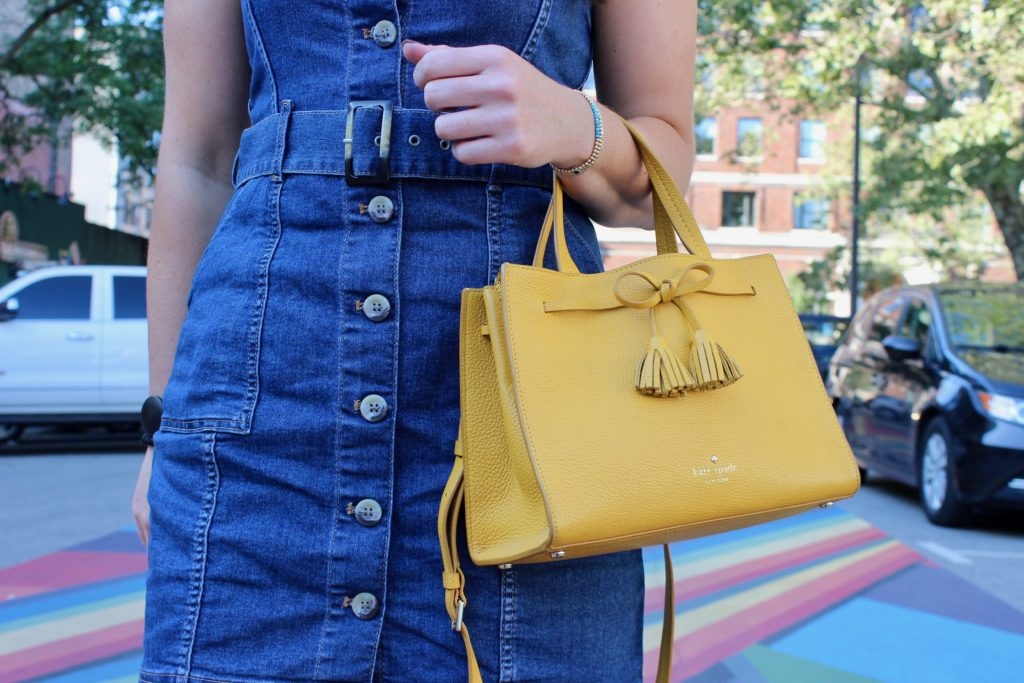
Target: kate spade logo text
x: 715, y: 473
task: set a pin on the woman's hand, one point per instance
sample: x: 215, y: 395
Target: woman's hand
x: 498, y: 108
x: 140, y: 503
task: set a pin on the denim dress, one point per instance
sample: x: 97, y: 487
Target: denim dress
x: 313, y: 404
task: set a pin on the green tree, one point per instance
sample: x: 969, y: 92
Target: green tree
x: 810, y: 288
x: 942, y: 81
x: 98, y: 63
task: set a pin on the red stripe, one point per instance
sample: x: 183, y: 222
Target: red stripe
x: 68, y: 568
x: 697, y: 651
x: 60, y: 655
x: 692, y: 587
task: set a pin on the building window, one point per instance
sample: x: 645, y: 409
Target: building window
x: 810, y: 213
x: 737, y: 209
x: 748, y: 137
x: 812, y: 139
x: 707, y: 136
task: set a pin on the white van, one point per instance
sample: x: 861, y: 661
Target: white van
x: 72, y: 347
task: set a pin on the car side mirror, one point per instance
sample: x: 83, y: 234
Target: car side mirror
x: 901, y: 348
x: 9, y: 309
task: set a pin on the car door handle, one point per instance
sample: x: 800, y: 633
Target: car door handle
x: 80, y: 336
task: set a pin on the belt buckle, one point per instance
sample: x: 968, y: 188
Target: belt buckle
x: 383, y: 174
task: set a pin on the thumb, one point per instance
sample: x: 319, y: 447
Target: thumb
x: 414, y: 51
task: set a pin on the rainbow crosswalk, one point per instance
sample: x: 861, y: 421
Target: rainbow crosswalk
x: 819, y: 598
x: 826, y: 598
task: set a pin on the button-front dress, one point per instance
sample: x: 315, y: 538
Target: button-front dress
x: 313, y: 404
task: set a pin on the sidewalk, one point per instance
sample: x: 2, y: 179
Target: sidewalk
x: 820, y: 598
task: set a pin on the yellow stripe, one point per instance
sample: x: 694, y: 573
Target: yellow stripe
x: 719, y: 610
x: 750, y: 553
x: 71, y: 626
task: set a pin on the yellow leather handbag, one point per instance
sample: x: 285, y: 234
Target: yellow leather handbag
x: 679, y: 387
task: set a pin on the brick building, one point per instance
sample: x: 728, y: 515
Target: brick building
x: 761, y: 183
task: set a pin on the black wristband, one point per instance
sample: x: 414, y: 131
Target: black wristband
x: 149, y: 418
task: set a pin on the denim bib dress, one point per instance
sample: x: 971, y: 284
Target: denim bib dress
x: 313, y: 404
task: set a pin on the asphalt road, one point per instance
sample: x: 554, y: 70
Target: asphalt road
x: 989, y: 554
x: 61, y: 489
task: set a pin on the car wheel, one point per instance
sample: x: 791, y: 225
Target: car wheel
x: 9, y: 432
x: 939, y: 497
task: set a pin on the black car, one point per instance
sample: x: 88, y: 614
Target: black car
x: 929, y: 387
x: 823, y: 333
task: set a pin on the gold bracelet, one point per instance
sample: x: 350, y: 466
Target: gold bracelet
x: 598, y: 140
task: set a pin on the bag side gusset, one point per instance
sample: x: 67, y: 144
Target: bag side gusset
x: 496, y: 490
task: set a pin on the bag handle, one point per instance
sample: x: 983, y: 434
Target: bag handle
x: 454, y: 579
x: 672, y: 215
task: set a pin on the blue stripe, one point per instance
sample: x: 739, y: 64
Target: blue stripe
x: 721, y: 543
x: 684, y: 605
x: 75, y: 600
x: 891, y: 643
x: 743, y: 539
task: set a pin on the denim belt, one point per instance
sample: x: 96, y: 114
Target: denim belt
x: 369, y: 143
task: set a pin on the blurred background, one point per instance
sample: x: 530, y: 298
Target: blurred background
x: 876, y: 149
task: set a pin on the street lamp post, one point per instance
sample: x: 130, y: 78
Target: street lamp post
x: 855, y: 224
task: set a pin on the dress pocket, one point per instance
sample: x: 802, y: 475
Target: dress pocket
x: 214, y: 383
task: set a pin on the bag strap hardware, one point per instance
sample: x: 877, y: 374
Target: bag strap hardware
x: 457, y: 622
x: 454, y: 580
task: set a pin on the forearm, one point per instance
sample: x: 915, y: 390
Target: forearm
x: 644, y: 66
x: 188, y: 206
x: 616, y: 191
x: 205, y: 113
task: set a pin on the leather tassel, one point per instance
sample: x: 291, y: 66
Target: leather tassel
x: 661, y: 373
x: 712, y: 367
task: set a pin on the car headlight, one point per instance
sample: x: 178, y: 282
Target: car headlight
x: 1003, y: 407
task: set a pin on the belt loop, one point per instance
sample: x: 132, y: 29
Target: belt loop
x: 282, y: 134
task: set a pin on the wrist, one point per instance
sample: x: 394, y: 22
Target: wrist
x: 587, y: 138
x: 149, y: 419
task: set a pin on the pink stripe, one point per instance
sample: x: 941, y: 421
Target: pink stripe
x: 696, y: 652
x: 61, y: 655
x: 692, y: 587
x: 68, y: 568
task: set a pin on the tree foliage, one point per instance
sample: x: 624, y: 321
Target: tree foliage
x: 942, y: 82
x: 811, y: 289
x: 98, y: 63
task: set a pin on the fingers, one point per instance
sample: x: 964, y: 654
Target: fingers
x: 462, y: 125
x: 142, y: 528
x: 483, y: 150
x: 435, y: 62
x: 140, y: 501
x: 140, y: 511
x: 450, y: 94
x: 495, y: 106
x: 414, y: 51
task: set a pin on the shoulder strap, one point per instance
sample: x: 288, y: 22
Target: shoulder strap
x: 455, y: 581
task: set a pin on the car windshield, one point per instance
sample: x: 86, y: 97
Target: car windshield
x: 985, y: 319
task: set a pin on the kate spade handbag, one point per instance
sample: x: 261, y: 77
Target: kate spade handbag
x: 679, y: 387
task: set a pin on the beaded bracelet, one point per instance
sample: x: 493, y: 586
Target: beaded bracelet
x: 598, y: 140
